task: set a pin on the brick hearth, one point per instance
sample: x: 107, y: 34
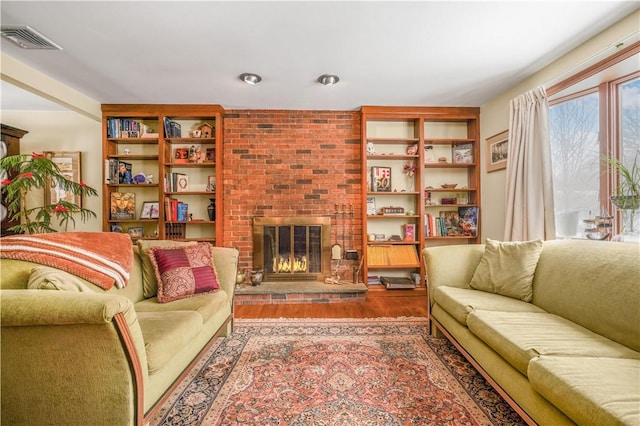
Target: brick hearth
x: 298, y: 292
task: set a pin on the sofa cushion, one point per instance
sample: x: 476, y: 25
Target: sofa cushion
x: 507, y: 268
x: 207, y: 305
x: 166, y: 333
x: 459, y: 302
x: 46, y: 278
x: 520, y: 336
x: 150, y: 283
x: 592, y: 284
x: 183, y: 271
x: 598, y: 391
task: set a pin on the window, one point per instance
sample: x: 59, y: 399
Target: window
x: 592, y: 116
x: 575, y: 155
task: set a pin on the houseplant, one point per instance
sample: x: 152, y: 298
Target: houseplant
x: 36, y: 171
x: 627, y: 198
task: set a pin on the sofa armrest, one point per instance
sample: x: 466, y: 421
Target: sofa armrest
x: 226, y: 261
x: 451, y: 265
x: 70, y: 358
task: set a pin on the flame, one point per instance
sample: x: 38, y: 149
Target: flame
x: 285, y: 264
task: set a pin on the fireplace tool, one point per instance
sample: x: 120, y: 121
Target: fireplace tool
x: 336, y: 248
x: 351, y: 254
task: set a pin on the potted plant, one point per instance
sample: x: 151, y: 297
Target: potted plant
x: 36, y: 171
x: 627, y: 198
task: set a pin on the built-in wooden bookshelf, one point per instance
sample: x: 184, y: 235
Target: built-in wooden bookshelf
x: 424, y: 149
x: 174, y: 157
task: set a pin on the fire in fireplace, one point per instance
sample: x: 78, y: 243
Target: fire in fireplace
x: 292, y: 248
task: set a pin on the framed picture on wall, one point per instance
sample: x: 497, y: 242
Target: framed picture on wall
x: 69, y: 164
x: 497, y: 151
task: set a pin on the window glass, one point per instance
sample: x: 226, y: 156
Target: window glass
x: 629, y: 95
x: 575, y: 156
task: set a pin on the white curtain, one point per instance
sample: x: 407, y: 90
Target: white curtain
x: 529, y: 196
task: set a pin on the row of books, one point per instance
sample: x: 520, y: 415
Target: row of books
x: 175, y: 231
x: 172, y: 129
x: 175, y: 210
x: 463, y: 222
x: 176, y: 182
x: 123, y: 127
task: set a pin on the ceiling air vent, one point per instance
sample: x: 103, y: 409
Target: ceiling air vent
x: 27, y: 38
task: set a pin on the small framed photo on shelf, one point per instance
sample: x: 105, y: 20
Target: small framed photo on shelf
x: 181, y: 155
x: 150, y: 210
x: 210, y: 155
x: 135, y: 232
x: 462, y: 153
x: 116, y: 228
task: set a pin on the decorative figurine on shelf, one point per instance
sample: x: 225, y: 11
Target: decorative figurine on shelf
x: 206, y: 130
x: 140, y: 178
x: 196, y: 133
x: 412, y: 150
x: 371, y: 148
x: 429, y: 156
x: 149, y: 179
x: 192, y: 154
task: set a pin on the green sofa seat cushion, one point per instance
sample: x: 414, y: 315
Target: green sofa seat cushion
x: 459, y: 302
x: 166, y: 333
x: 521, y: 336
x: 597, y: 391
x: 207, y: 305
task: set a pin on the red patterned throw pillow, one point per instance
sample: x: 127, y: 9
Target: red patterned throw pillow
x: 183, y: 271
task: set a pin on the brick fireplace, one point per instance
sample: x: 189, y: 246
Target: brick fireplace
x: 280, y: 163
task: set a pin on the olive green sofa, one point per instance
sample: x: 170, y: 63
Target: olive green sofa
x: 571, y: 354
x: 101, y: 357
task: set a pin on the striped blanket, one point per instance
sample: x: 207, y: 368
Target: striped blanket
x: 102, y: 258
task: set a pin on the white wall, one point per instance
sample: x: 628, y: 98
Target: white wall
x: 494, y: 117
x: 64, y: 131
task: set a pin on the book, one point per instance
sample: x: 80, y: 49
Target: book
x: 123, y: 205
x: 183, y: 212
x: 451, y: 221
x: 182, y: 182
x: 409, y: 232
x: 462, y: 153
x: 397, y: 282
x: 468, y: 221
x: 381, y: 179
x: 125, y: 172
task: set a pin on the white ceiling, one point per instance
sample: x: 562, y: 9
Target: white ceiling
x: 386, y: 53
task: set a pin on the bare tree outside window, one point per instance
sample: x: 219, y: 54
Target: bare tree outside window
x: 575, y: 156
x: 630, y: 120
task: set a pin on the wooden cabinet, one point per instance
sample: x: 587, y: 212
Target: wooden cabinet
x: 9, y: 145
x: 430, y: 157
x: 166, y: 160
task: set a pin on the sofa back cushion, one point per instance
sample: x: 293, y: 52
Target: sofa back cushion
x: 593, y: 283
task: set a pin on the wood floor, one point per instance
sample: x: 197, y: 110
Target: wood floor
x: 378, y: 303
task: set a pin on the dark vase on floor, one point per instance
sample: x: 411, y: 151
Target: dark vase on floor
x: 211, y: 209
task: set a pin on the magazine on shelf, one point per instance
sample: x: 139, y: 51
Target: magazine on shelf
x: 397, y: 282
x: 468, y: 221
x: 381, y: 179
x: 123, y: 206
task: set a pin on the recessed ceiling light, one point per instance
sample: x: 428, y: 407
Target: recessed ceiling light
x: 250, y: 78
x: 328, y: 79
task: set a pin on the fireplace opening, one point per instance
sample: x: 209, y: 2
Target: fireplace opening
x: 292, y: 248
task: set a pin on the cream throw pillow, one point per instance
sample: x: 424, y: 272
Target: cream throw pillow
x: 149, y: 280
x: 507, y: 268
x: 46, y: 278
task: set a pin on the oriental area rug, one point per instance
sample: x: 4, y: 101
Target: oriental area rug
x: 383, y: 371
